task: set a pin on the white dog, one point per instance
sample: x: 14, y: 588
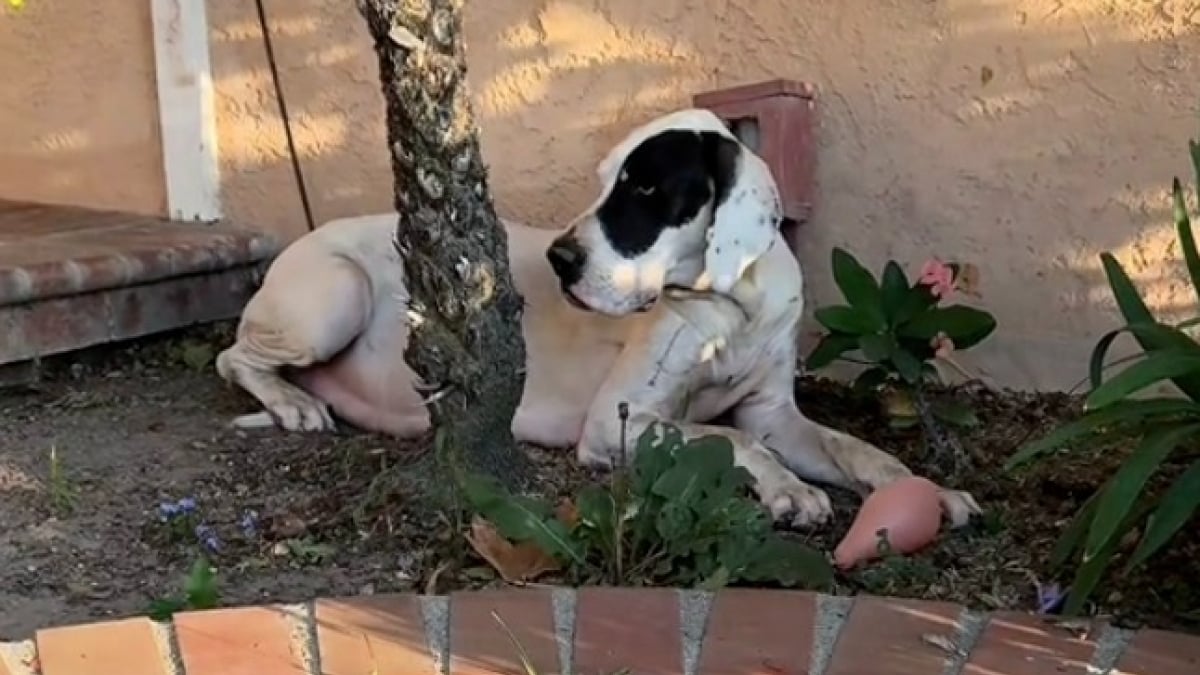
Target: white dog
x: 674, y: 292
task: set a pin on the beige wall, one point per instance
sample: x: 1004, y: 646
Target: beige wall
x: 1067, y: 150
x: 78, y: 116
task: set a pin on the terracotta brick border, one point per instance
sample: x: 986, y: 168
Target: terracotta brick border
x: 598, y: 631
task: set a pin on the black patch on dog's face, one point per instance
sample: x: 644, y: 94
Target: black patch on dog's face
x: 664, y: 183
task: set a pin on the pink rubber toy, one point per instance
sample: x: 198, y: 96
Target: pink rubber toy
x: 910, y: 509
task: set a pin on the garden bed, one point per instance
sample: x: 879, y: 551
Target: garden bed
x: 342, y: 515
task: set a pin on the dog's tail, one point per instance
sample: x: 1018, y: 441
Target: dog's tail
x: 258, y: 420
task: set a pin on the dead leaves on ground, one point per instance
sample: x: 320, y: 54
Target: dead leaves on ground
x: 516, y: 563
x: 520, y: 562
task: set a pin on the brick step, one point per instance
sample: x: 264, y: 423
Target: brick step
x: 73, y: 277
x: 602, y: 631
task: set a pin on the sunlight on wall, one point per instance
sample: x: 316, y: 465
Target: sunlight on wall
x: 282, y: 26
x: 568, y: 38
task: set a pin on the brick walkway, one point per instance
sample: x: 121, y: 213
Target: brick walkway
x: 601, y: 631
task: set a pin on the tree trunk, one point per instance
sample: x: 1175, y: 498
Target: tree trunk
x: 466, y: 343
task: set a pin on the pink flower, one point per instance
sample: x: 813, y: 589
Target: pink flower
x: 939, y: 277
x: 942, y: 345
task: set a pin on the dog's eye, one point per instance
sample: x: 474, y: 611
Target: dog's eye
x: 644, y: 191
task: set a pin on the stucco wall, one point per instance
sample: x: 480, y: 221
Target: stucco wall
x: 1023, y: 135
x: 78, y: 114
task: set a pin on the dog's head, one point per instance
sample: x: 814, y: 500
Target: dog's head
x: 682, y: 203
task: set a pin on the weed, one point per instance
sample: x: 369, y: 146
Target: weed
x: 200, y: 591
x: 679, y: 515
x: 64, y: 496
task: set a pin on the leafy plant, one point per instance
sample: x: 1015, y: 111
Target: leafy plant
x: 679, y: 515
x: 899, y: 327
x: 199, y: 592
x: 1164, y: 425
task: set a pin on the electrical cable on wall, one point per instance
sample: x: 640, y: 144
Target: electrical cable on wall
x: 283, y: 113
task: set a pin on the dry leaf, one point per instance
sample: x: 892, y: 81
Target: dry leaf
x: 967, y: 281
x: 566, y: 512
x: 516, y: 563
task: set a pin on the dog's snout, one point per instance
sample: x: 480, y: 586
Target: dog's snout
x: 566, y: 256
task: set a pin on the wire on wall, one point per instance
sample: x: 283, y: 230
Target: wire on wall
x: 283, y: 113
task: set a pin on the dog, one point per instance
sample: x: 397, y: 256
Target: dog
x: 674, y: 293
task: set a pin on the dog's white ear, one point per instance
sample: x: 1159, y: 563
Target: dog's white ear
x: 746, y: 214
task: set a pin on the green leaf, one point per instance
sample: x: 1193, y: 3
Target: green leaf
x: 788, y: 563
x: 966, y: 326
x: 956, y: 413
x: 918, y: 299
x: 1187, y: 242
x: 1156, y: 367
x: 907, y: 365
x: 1127, y: 484
x: 1071, y: 538
x: 520, y: 518
x: 1194, y: 150
x: 654, y: 456
x: 162, y: 610
x: 1153, y: 331
x: 1136, y: 313
x: 829, y: 349
x: 200, y: 587
x: 845, y: 319
x: 1175, y: 509
x: 715, y: 581
x: 895, y: 290
x: 859, y: 287
x: 1087, y: 576
x: 698, y: 467
x: 1133, y: 411
x: 597, y: 508
x: 877, y: 348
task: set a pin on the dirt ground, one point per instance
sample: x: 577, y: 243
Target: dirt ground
x: 135, y: 426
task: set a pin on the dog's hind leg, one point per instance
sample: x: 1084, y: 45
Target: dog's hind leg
x: 310, y: 307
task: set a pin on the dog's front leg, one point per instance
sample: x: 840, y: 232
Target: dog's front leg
x: 821, y: 454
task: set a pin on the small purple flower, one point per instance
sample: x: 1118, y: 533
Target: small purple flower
x: 208, y: 538
x: 187, y: 505
x: 249, y: 524
x: 167, y: 511
x: 1051, y: 597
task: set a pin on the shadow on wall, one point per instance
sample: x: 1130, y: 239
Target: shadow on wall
x: 1023, y: 135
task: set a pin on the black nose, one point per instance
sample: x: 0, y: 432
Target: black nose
x: 566, y: 256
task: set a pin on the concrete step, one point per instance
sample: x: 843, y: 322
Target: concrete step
x: 73, y: 277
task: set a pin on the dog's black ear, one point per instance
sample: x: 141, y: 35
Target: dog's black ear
x: 721, y: 155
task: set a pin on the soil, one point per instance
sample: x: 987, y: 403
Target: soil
x: 137, y: 425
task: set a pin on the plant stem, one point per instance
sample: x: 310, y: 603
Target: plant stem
x: 939, y: 442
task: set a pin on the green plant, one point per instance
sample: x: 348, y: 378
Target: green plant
x: 199, y: 592
x: 899, y: 327
x: 1163, y: 424
x: 679, y: 515
x: 63, y: 493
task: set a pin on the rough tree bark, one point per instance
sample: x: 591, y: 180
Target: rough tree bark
x: 466, y: 343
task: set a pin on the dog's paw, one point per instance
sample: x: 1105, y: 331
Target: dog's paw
x: 793, y: 501
x: 959, y: 507
x: 589, y: 458
x: 297, y: 411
